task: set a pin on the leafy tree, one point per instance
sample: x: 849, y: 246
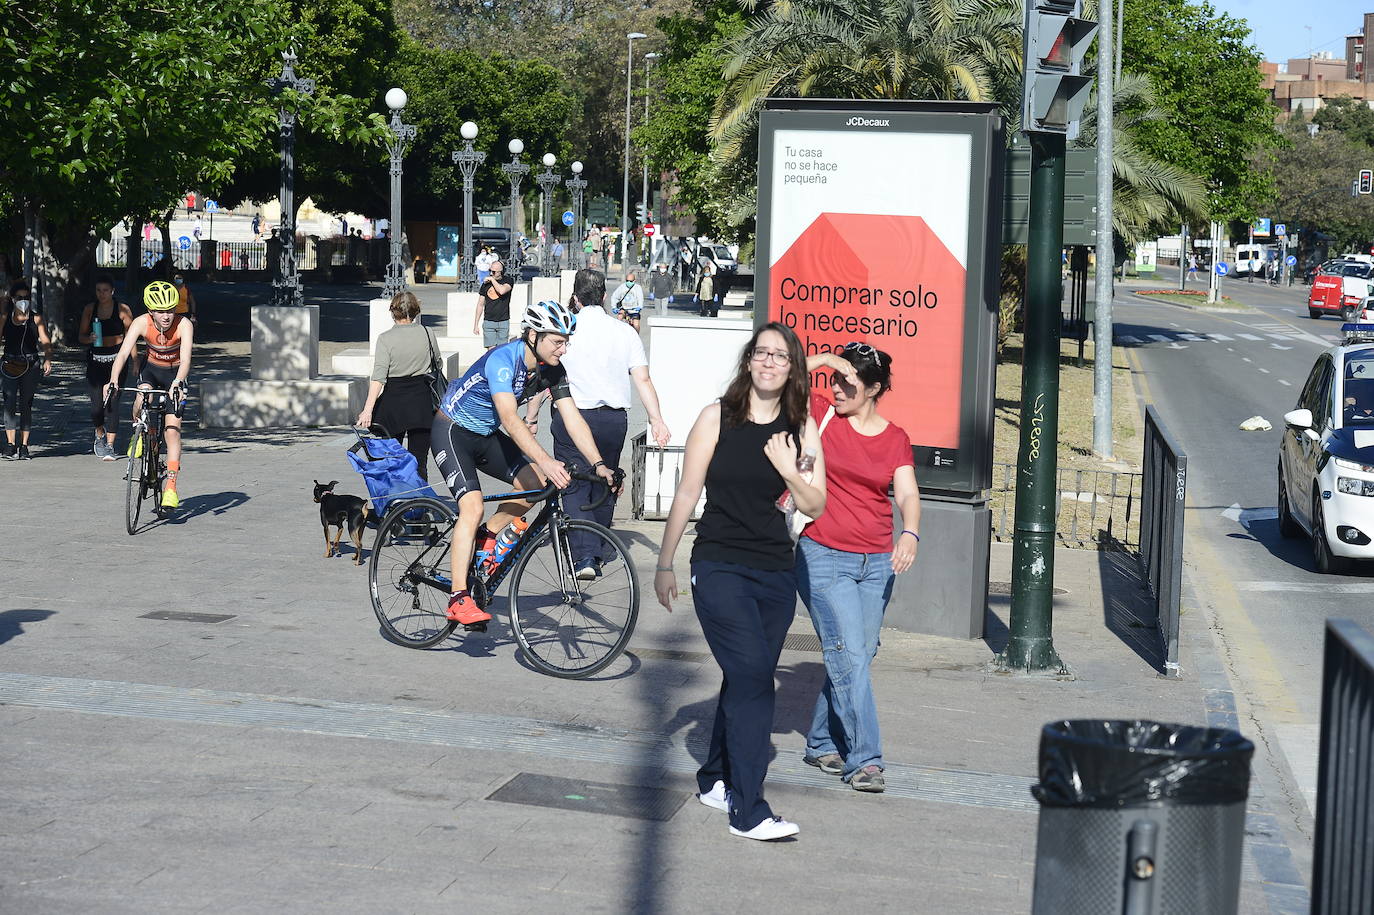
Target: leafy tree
x: 1204, y: 70
x: 1312, y: 175
x: 1349, y: 116
x: 687, y: 82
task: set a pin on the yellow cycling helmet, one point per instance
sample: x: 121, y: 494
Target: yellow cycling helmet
x: 160, y: 296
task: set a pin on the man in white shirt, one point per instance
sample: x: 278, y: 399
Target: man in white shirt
x: 607, y: 360
x: 628, y: 300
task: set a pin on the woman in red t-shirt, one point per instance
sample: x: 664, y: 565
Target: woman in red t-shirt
x: 846, y: 559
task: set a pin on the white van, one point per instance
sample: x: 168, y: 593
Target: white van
x: 1261, y: 253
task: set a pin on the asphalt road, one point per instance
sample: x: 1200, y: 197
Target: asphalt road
x: 1206, y: 372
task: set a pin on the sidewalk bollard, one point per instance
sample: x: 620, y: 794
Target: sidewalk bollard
x: 1140, y: 818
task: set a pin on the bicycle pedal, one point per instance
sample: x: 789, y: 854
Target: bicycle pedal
x: 475, y: 627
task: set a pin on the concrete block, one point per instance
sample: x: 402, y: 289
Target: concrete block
x: 519, y: 301
x: 327, y: 400
x: 946, y: 591
x: 285, y: 342
x: 469, y: 349
x: 461, y: 308
x: 566, y: 277
x: 543, y: 288
x: 356, y: 360
x: 379, y: 321
x: 453, y: 365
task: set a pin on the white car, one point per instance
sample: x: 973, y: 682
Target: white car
x: 1326, y: 459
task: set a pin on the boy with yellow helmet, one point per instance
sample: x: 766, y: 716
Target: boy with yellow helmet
x: 167, y: 338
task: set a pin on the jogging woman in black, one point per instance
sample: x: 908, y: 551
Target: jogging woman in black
x: 744, y: 449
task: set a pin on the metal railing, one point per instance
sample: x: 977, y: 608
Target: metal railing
x: 654, y: 477
x: 1163, y: 491
x: 229, y: 255
x: 114, y: 253
x: 1098, y: 509
x: 241, y: 255
x: 1343, y: 853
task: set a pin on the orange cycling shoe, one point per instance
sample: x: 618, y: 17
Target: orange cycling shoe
x: 463, y: 609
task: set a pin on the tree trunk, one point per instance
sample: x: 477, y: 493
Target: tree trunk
x: 65, y: 257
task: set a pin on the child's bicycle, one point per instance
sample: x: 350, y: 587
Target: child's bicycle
x: 565, y: 627
x: 143, y: 478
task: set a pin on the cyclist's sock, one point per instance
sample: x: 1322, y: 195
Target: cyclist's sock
x: 173, y: 468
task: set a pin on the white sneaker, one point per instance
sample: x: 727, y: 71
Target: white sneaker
x: 768, y: 830
x: 717, y: 798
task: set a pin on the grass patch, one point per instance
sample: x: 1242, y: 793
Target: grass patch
x: 1195, y: 299
x: 1098, y: 505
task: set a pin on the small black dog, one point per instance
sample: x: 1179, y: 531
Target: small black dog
x: 342, y: 512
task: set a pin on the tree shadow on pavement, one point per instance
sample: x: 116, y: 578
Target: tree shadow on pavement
x: 12, y: 622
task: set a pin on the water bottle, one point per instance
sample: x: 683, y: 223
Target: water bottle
x: 505, y: 541
x: 805, y: 465
x: 95, y: 331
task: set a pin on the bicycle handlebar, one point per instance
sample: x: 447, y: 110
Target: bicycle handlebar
x: 549, y: 489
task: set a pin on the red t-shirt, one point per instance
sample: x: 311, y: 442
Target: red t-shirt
x: 858, y: 471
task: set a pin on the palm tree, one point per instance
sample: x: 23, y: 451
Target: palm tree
x: 1147, y: 194
x: 871, y: 49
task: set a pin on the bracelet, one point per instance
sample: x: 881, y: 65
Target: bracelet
x: 598, y: 464
x: 663, y: 568
x: 912, y: 533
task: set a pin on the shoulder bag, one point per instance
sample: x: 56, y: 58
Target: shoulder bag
x: 797, y: 520
x: 435, y: 378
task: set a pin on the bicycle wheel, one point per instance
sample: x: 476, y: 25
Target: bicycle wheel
x: 155, y: 470
x: 408, y: 573
x: 565, y: 627
x: 137, y: 481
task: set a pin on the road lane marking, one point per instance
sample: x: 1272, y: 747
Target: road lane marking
x: 1246, y: 359
x: 1286, y: 384
x: 1249, y: 337
x: 1127, y: 339
x: 1161, y: 338
x: 1265, y: 371
x: 1309, y: 587
x: 1220, y: 338
x: 1246, y: 515
x: 1193, y: 337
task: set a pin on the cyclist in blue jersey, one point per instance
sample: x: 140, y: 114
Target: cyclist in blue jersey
x: 467, y: 436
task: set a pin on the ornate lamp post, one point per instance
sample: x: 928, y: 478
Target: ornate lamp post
x: 467, y: 159
x: 548, y: 180
x: 515, y: 172
x: 630, y: 40
x: 577, y: 184
x: 286, y: 284
x: 401, y: 134
x: 644, y: 154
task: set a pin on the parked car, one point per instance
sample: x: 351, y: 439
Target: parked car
x: 1341, y: 287
x: 1326, y: 458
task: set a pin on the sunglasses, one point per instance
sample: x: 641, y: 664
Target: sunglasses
x: 863, y: 349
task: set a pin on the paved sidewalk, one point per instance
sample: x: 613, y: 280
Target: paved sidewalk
x: 287, y: 758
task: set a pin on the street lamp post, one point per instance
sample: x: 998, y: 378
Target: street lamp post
x: 625, y: 195
x: 286, y: 284
x: 577, y: 184
x: 515, y: 173
x: 644, y: 192
x: 401, y: 134
x: 548, y: 180
x: 467, y: 159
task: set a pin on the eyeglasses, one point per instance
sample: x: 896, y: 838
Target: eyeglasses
x: 560, y: 344
x: 767, y: 355
x: 863, y: 349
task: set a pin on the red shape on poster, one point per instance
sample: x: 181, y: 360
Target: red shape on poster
x: 888, y: 281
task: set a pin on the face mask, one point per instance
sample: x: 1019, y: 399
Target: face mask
x: 629, y: 282
x: 22, y: 305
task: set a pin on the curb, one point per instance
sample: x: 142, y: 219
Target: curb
x: 1223, y: 311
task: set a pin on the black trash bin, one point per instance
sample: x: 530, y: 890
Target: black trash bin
x: 1140, y: 818
x: 421, y: 273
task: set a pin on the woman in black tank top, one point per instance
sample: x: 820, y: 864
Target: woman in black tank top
x: 743, y: 449
x: 103, y: 324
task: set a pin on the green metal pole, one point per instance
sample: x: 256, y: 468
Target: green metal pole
x: 1031, y: 646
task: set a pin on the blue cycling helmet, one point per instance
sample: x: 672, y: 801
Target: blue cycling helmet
x: 549, y: 317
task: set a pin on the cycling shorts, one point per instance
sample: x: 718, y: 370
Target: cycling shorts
x: 157, y: 377
x: 459, y: 453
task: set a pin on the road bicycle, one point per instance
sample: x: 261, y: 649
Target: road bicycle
x: 565, y: 627
x: 147, y: 469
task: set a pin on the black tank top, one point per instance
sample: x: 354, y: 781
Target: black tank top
x: 740, y: 523
x: 21, y: 339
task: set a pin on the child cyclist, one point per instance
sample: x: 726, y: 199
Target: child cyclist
x: 167, y: 338
x: 478, y: 427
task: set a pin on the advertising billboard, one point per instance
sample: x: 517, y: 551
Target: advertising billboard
x: 880, y: 222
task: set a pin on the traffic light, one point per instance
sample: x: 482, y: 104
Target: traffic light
x: 641, y: 213
x: 1055, y: 91
x: 1366, y: 181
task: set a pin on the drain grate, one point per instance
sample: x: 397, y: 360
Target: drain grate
x: 802, y: 641
x: 181, y: 617
x: 670, y: 654
x: 1004, y: 587
x: 634, y: 802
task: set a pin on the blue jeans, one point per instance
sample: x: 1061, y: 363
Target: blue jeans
x: 846, y: 594
x: 608, y: 431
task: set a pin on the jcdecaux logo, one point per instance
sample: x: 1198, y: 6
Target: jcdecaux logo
x: 868, y: 122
